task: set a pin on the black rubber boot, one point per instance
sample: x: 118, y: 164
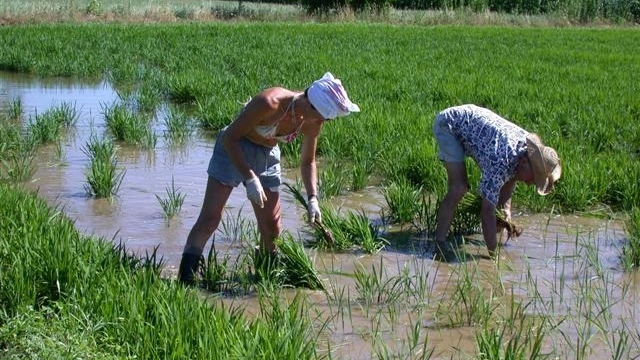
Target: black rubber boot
x: 189, y: 268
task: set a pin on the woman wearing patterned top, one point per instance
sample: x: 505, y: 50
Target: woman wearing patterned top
x: 505, y: 154
x: 247, y: 152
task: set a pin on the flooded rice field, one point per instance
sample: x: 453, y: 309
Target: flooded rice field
x: 564, y: 268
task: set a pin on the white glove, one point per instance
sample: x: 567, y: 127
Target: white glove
x: 255, y: 193
x: 314, y: 210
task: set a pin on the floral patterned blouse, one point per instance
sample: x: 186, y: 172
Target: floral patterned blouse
x: 494, y: 143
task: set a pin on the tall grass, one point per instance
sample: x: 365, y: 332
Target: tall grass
x: 17, y: 151
x: 49, y: 272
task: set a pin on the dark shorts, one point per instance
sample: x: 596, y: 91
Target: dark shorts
x: 264, y: 161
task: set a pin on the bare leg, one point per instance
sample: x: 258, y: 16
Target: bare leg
x: 215, y: 198
x: 268, y: 219
x: 457, y: 187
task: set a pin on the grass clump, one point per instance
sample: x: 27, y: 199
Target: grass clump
x: 103, y: 177
x: 631, y: 249
x: 128, y: 126
x: 17, y: 151
x: 172, y: 202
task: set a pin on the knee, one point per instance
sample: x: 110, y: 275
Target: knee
x: 206, y: 226
x: 457, y: 191
x: 271, y: 230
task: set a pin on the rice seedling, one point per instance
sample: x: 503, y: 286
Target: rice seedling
x: 631, y: 249
x: 66, y: 114
x: 103, y: 178
x: 215, y: 272
x: 363, y: 232
x: 172, y: 202
x: 471, y: 304
x: 213, y: 114
x: 16, y: 154
x: 298, y: 266
x: 127, y: 126
x: 186, y: 89
x: 361, y: 171
x: 238, y: 227
x: 402, y: 200
x: 323, y: 234
x: 15, y: 109
x: 375, y: 287
x: 178, y: 126
x: 523, y: 341
x: 332, y: 180
x: 426, y: 218
x: 44, y: 128
x: 290, y: 153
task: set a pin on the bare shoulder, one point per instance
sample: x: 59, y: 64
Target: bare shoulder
x: 270, y: 98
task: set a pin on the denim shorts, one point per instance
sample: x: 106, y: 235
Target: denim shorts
x: 264, y: 161
x: 450, y: 148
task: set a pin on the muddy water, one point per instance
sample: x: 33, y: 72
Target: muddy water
x: 555, y: 259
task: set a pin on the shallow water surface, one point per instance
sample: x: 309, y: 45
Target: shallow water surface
x: 556, y: 260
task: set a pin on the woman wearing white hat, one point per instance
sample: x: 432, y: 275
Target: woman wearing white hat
x: 505, y: 154
x: 247, y: 152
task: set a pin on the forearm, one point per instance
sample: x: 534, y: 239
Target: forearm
x: 309, y: 174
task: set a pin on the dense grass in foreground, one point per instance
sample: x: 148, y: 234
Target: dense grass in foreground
x: 64, y: 295
x: 576, y: 87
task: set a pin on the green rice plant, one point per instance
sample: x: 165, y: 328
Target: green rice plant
x: 178, y: 126
x: 332, y: 180
x: 298, y: 266
x: 630, y: 256
x: 376, y: 287
x: 18, y: 167
x: 103, y: 178
x: 172, y: 201
x: 183, y: 88
x: 148, y: 97
x: 127, y: 126
x: 290, y: 153
x: 47, y: 127
x: 238, y: 227
x: 67, y: 114
x: 363, y: 232
x: 426, y: 218
x: 286, y: 330
x: 466, y: 219
x: 523, y: 341
x: 43, y: 129
x: 471, y: 303
x: 213, y: 114
x: 215, y: 272
x: 17, y: 154
x: 361, y: 171
x: 402, y: 200
x: 15, y: 109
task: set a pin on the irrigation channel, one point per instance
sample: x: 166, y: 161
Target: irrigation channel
x: 552, y: 252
